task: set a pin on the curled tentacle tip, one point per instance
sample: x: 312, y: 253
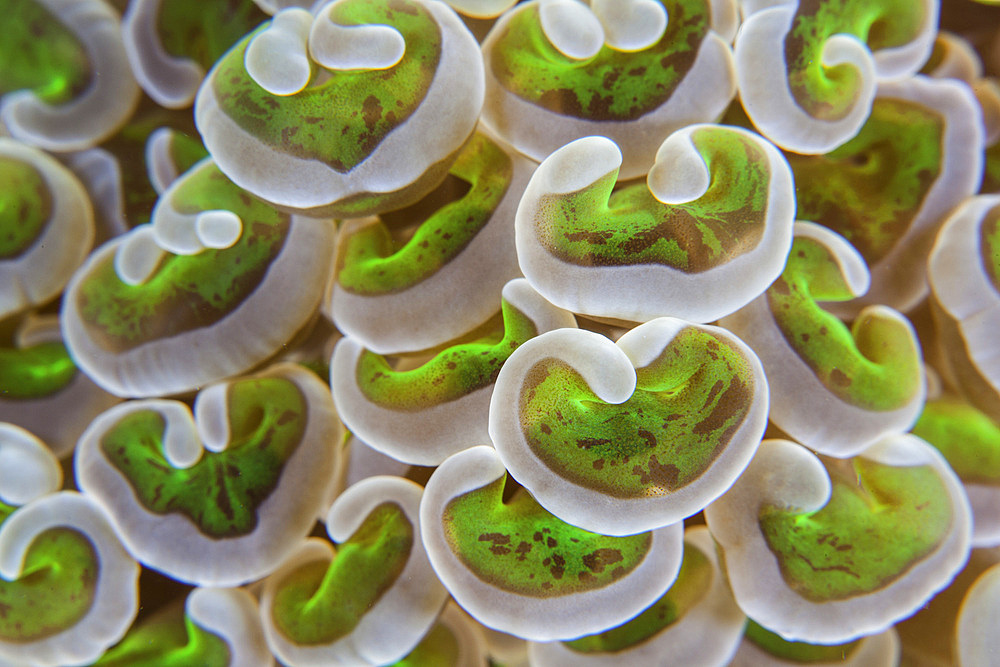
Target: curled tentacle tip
x: 138, y: 256
x: 28, y: 470
x: 347, y: 47
x: 631, y: 25
x: 571, y: 27
x: 276, y: 58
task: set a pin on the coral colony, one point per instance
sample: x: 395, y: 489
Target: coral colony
x: 476, y: 332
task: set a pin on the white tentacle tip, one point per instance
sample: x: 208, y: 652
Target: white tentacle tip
x: 138, y: 256
x: 218, y: 229
x: 211, y: 410
x: 631, y: 25
x: 180, y: 440
x: 579, y: 164
x: 572, y: 28
x: 277, y: 58
x: 679, y: 173
x: 343, y: 47
x: 28, y: 469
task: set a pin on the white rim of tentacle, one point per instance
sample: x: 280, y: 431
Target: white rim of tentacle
x: 445, y: 428
x: 787, y: 474
x: 456, y: 91
x: 171, y: 542
x: 641, y: 292
x: 467, y: 286
x: 536, y: 618
x: 41, y: 272
x: 410, y: 606
x: 116, y: 596
x: 506, y: 114
x: 88, y: 118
